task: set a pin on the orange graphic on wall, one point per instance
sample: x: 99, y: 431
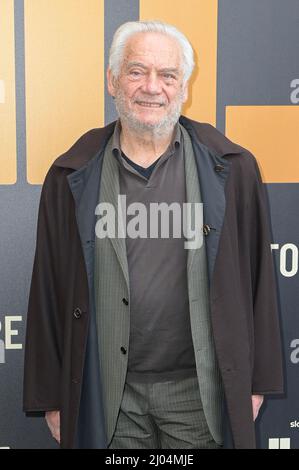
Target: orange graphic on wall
x: 271, y: 134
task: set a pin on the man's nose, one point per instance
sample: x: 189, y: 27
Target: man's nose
x: 152, y: 84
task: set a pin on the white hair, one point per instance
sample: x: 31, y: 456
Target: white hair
x: 126, y: 30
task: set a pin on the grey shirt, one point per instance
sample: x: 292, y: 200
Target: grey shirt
x: 160, y: 346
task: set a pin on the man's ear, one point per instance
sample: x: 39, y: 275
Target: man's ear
x: 111, y: 83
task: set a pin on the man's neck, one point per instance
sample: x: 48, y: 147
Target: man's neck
x: 143, y: 148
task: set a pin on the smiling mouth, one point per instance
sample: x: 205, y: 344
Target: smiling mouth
x: 146, y: 104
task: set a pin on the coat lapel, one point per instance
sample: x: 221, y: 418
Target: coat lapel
x: 84, y: 185
x: 100, y: 173
x: 109, y: 194
x: 212, y: 186
x: 192, y: 196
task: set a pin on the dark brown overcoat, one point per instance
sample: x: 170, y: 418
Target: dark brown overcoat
x: 61, y: 364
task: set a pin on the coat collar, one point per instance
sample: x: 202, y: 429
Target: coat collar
x: 208, y: 136
x: 94, y: 141
x: 87, y: 146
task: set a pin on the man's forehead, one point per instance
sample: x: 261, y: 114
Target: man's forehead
x: 157, y: 48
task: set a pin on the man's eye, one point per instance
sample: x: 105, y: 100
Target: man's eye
x: 135, y: 73
x: 168, y: 76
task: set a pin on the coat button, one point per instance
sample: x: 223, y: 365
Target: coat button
x: 123, y: 350
x: 218, y: 168
x: 77, y: 313
x: 125, y: 301
x: 206, y: 229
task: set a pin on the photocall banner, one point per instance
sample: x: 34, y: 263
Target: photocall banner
x: 53, y: 57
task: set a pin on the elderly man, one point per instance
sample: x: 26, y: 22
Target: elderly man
x: 133, y: 340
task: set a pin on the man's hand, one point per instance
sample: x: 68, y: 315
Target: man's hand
x: 53, y: 421
x: 257, y: 401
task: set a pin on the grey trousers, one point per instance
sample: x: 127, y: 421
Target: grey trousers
x: 164, y: 415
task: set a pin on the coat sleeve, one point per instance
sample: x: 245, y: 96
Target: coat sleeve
x: 42, y: 364
x: 267, y: 377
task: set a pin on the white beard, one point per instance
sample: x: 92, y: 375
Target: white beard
x: 158, y: 129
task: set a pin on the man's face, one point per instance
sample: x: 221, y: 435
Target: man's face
x: 149, y: 91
